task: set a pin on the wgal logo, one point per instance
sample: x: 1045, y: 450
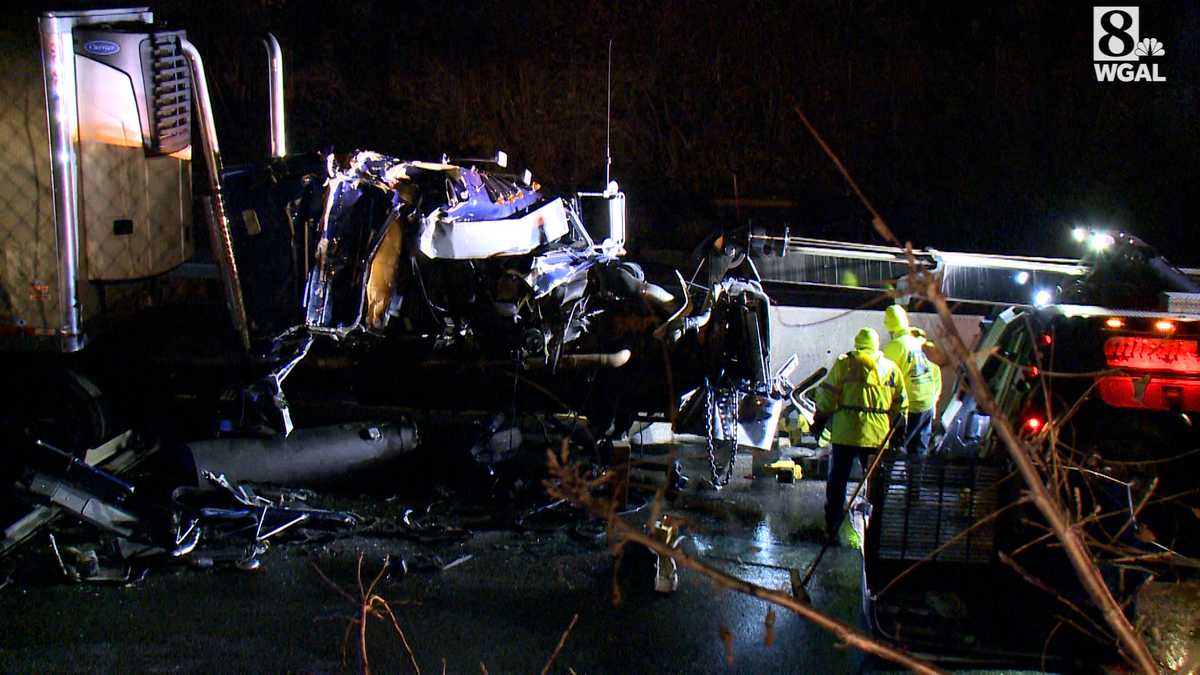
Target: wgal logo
x: 1119, y: 55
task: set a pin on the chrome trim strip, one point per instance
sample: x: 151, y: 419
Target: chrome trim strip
x: 55, y: 34
x: 62, y: 106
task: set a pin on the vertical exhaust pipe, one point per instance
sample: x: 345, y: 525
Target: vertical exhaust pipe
x: 275, y: 82
x: 218, y: 222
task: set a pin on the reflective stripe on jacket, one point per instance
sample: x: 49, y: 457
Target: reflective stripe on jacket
x: 863, y: 392
x: 924, y: 377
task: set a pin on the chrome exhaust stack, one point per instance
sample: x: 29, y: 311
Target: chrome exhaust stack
x: 218, y: 221
x: 275, y: 84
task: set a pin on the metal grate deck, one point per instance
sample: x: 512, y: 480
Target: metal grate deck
x: 925, y: 504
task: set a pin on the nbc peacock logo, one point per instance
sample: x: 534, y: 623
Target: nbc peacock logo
x: 1119, y: 54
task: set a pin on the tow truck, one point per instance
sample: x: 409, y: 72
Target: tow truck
x: 1106, y: 398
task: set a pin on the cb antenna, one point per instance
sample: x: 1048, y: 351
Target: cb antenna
x: 608, y: 122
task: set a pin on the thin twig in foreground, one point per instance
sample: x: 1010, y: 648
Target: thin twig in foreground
x: 561, y: 641
x: 369, y: 604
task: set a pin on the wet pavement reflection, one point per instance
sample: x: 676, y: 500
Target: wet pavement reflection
x: 468, y: 589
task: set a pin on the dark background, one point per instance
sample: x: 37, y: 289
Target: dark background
x: 971, y: 126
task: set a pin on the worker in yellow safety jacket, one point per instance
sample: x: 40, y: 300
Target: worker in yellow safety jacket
x: 924, y: 378
x: 861, y: 397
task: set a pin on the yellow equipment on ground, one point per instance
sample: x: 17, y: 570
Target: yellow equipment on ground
x: 785, y: 471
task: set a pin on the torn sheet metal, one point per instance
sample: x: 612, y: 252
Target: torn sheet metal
x: 116, y: 457
x: 484, y: 196
x: 84, y: 505
x: 133, y: 532
x: 444, y: 236
x: 374, y: 203
x: 459, y: 254
x: 236, y: 523
x: 555, y: 268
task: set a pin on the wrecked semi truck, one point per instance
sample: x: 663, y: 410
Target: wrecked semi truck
x: 366, y: 256
x: 470, y: 265
x: 362, y: 258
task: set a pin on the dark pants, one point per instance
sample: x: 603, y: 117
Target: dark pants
x: 918, y: 429
x: 840, y: 459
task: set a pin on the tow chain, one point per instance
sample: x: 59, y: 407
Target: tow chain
x: 728, y: 422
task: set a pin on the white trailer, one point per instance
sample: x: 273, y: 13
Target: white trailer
x: 95, y: 154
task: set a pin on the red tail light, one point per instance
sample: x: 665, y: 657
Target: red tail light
x: 1147, y: 393
x: 1033, y: 424
x: 1142, y: 353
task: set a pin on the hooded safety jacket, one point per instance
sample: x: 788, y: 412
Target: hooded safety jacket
x: 864, y: 391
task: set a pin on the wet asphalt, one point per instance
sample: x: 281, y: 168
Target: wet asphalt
x: 467, y: 597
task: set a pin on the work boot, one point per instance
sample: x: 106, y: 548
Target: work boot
x: 861, y: 507
x: 666, y: 576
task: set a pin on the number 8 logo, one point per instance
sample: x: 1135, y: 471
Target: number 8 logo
x: 1115, y: 32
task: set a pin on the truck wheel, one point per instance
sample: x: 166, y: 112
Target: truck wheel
x: 57, y: 406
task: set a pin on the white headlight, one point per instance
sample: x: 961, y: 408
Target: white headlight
x: 1101, y: 241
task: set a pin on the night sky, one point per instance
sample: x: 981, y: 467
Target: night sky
x: 971, y: 126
